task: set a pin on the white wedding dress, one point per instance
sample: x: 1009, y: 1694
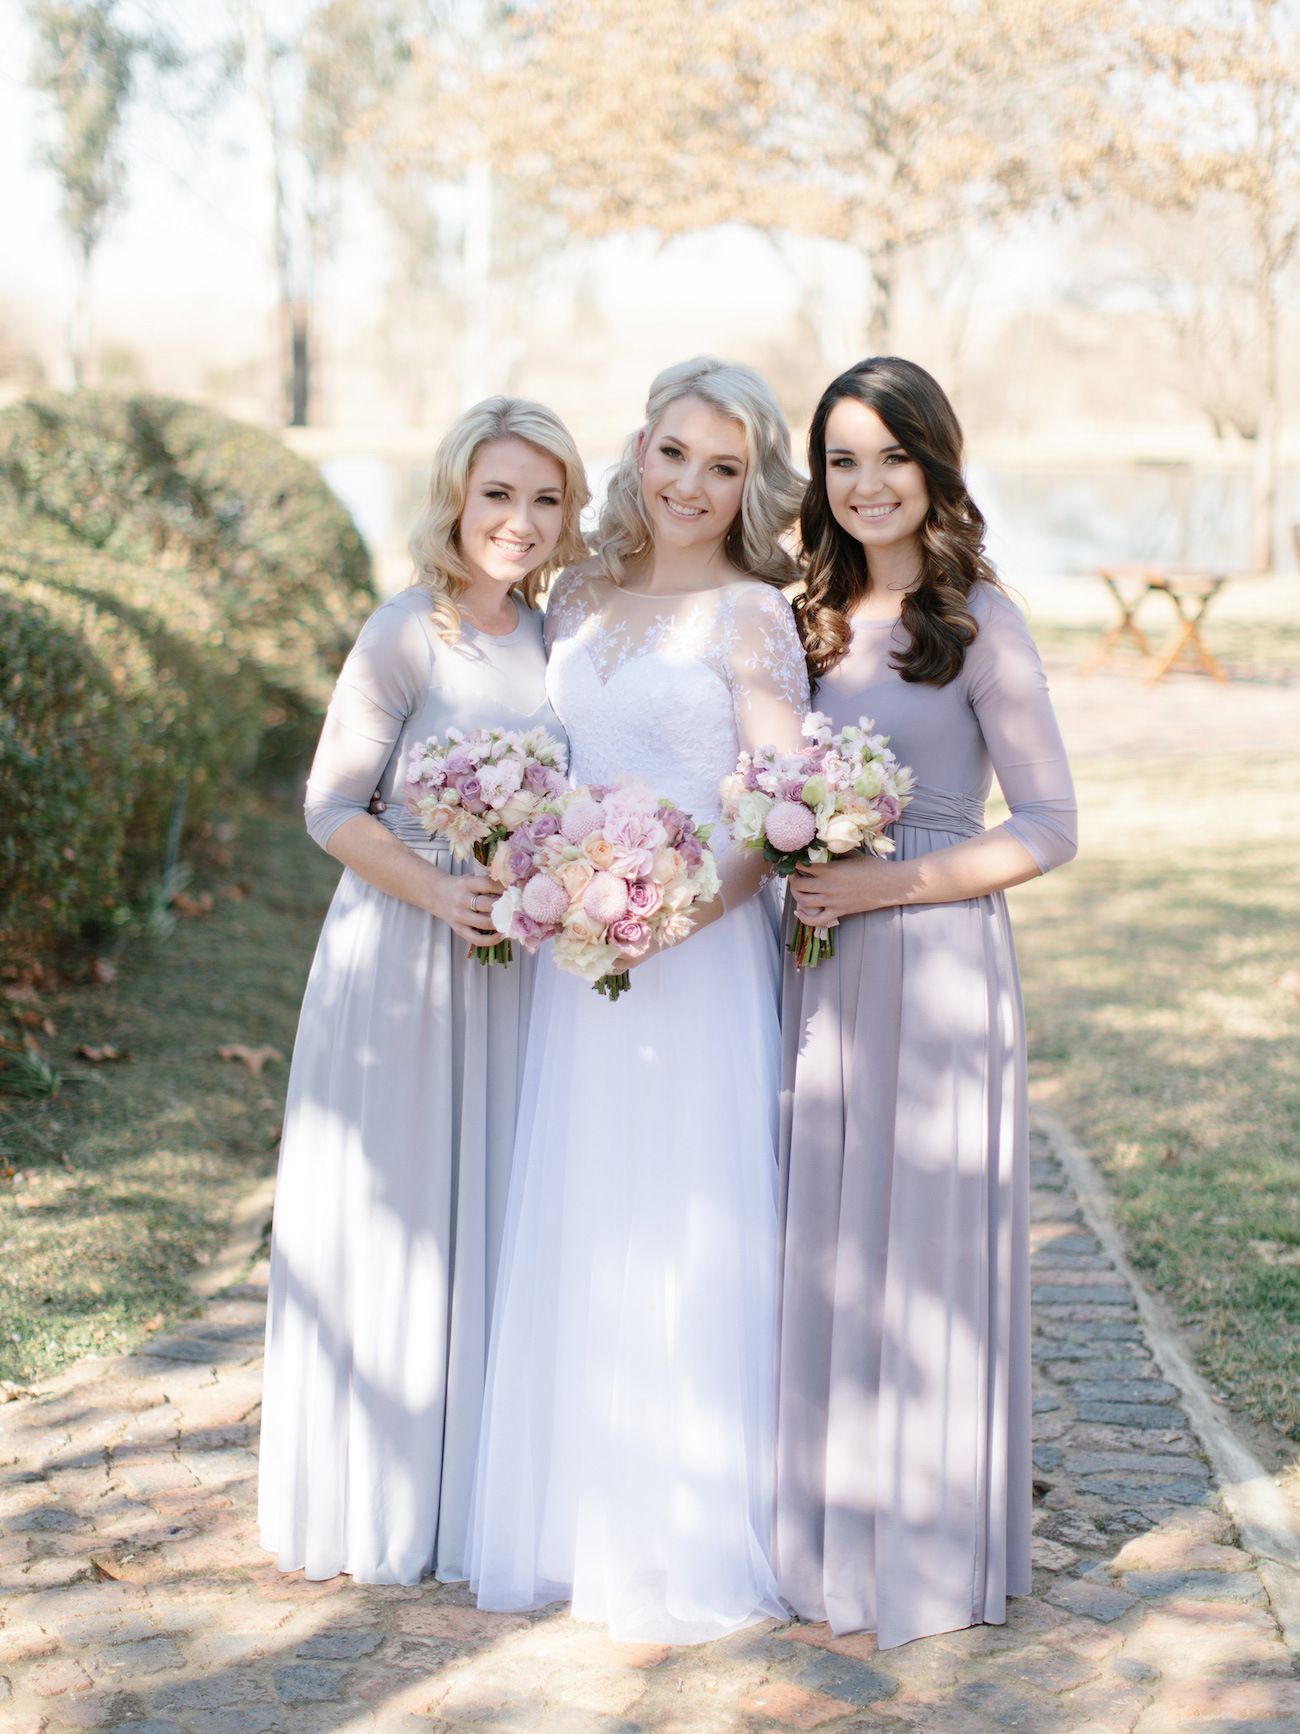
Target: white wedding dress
x: 626, y: 1454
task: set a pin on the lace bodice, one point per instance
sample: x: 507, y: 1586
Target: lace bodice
x: 670, y: 688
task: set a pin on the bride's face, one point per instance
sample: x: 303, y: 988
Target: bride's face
x: 693, y: 464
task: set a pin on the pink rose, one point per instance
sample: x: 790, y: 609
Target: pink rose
x: 630, y: 933
x: 544, y: 825
x: 644, y: 898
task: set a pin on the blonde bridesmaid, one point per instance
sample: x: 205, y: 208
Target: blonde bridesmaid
x: 401, y: 1110
x: 903, y: 1418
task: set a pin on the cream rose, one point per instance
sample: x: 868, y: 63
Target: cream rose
x: 666, y: 867
x: 843, y: 833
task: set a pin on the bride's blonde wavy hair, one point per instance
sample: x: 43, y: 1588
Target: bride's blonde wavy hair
x: 773, y: 488
x: 435, y: 540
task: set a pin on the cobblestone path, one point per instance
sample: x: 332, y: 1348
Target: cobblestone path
x: 134, y: 1594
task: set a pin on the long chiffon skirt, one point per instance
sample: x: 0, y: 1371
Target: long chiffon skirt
x: 390, y: 1200
x: 626, y: 1453
x: 903, y: 1415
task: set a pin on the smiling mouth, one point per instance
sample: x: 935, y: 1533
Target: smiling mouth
x: 687, y: 513
x: 876, y: 511
x: 511, y: 549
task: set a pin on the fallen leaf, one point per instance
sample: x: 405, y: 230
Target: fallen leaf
x: 187, y: 905
x: 253, y: 1058
x: 233, y: 892
x: 98, y: 1056
x: 103, y: 971
x: 24, y: 995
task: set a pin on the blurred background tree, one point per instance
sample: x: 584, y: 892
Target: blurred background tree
x: 87, y: 63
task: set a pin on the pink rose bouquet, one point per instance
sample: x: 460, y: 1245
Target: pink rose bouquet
x: 838, y: 795
x: 603, y: 872
x: 474, y: 788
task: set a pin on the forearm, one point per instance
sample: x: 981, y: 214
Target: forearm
x: 384, y: 861
x: 975, y: 867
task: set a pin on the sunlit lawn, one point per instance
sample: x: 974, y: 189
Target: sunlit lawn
x: 1161, y: 1031
x: 126, y: 1181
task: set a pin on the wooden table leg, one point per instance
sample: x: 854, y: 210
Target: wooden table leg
x: 1113, y: 635
x: 1189, y: 633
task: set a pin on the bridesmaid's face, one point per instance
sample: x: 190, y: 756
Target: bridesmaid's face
x: 693, y: 464
x: 513, y: 514
x: 876, y: 492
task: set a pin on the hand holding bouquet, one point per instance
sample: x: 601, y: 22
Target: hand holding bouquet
x: 603, y: 872
x: 836, y: 796
x: 474, y: 788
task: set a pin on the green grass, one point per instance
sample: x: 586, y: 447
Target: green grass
x: 1247, y: 649
x: 129, y: 1178
x: 1160, y: 1031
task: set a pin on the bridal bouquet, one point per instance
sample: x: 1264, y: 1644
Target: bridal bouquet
x: 836, y: 796
x: 601, y: 872
x: 474, y: 788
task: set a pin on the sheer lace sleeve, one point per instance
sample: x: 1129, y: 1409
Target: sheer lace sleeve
x: 383, y: 682
x: 1008, y: 692
x: 769, y: 677
x: 565, y: 606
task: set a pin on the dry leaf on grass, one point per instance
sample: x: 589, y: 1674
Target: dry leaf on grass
x: 233, y: 892
x: 253, y: 1058
x: 103, y: 971
x: 187, y: 905
x: 98, y: 1056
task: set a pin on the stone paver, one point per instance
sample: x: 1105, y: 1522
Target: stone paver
x: 134, y: 1596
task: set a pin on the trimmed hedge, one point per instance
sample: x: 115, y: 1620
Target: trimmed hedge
x: 65, y: 771
x: 176, y: 594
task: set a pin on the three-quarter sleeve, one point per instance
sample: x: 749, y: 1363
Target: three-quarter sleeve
x: 383, y: 682
x: 1007, y: 689
x: 767, y: 671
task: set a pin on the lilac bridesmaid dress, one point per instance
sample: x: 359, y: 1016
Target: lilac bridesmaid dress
x: 903, y: 1410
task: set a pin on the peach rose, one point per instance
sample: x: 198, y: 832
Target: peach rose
x: 678, y: 896
x: 580, y: 928
x: 667, y: 865
x: 842, y: 834
x: 575, y: 876
x: 598, y: 850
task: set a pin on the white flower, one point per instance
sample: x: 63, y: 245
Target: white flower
x: 751, y: 810
x: 506, y: 908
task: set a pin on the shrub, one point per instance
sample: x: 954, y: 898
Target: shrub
x: 177, y: 593
x: 65, y: 771
x: 214, y: 512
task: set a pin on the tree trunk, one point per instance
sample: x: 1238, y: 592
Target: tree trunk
x: 884, y: 278
x: 1263, y: 551
x: 79, y: 322
x: 476, y: 344
x: 300, y: 378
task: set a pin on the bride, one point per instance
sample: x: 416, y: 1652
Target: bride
x: 626, y: 1453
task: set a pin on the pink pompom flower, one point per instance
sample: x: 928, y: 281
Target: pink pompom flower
x: 581, y: 819
x: 790, y: 826
x: 545, y: 900
x: 605, y: 899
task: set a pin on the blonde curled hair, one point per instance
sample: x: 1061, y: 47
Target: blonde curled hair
x: 435, y: 540
x: 773, y: 488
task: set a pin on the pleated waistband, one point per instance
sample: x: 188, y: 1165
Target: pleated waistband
x: 943, y: 810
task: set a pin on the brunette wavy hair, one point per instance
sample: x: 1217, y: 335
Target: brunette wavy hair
x: 914, y: 407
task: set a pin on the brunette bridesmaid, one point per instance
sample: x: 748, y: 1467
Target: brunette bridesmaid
x: 400, y: 1120
x: 903, y: 1419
